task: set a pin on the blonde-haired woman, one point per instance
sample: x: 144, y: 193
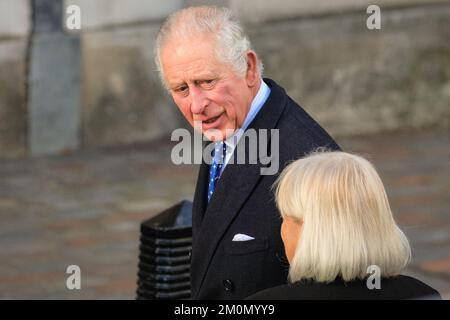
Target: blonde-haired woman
x: 339, y: 233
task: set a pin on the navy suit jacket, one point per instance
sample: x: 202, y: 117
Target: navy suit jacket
x: 243, y: 202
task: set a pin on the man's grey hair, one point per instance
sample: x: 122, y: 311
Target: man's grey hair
x: 232, y: 43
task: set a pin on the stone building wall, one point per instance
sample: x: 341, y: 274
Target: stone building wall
x: 105, y: 90
x: 359, y: 81
x: 14, y: 29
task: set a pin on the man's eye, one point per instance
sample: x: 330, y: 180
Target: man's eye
x: 182, y: 90
x: 208, y: 83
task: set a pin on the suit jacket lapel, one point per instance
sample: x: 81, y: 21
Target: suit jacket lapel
x: 233, y: 188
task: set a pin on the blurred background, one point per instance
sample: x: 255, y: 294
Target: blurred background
x: 85, y: 126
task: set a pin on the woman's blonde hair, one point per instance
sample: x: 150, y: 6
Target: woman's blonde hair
x: 347, y: 222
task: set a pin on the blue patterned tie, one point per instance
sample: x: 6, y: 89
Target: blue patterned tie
x: 216, y: 166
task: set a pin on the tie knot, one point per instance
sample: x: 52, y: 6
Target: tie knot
x: 219, y: 152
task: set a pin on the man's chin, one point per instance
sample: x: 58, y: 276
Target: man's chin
x: 218, y: 134
x: 214, y: 136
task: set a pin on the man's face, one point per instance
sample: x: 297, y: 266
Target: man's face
x: 207, y: 91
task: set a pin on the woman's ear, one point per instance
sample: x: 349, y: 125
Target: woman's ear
x: 252, y: 75
x: 291, y: 230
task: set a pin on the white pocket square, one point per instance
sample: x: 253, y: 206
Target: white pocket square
x: 242, y: 237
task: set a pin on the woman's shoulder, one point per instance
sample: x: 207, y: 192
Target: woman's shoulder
x: 411, y: 287
x: 305, y: 289
x: 282, y: 292
x: 398, y: 287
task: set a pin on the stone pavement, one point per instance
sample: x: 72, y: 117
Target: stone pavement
x: 85, y: 209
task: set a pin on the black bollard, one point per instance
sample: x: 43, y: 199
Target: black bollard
x: 164, y: 259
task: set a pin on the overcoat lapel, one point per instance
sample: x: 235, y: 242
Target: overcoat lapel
x: 200, y: 199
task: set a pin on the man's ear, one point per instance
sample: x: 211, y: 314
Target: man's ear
x: 252, y: 75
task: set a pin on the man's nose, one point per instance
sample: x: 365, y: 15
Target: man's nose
x: 199, y: 100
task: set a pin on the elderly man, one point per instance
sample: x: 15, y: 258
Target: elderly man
x: 206, y: 62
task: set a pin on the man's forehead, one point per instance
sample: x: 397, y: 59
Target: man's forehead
x: 190, y: 47
x: 189, y: 62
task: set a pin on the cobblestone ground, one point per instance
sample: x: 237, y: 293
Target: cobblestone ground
x: 85, y: 209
